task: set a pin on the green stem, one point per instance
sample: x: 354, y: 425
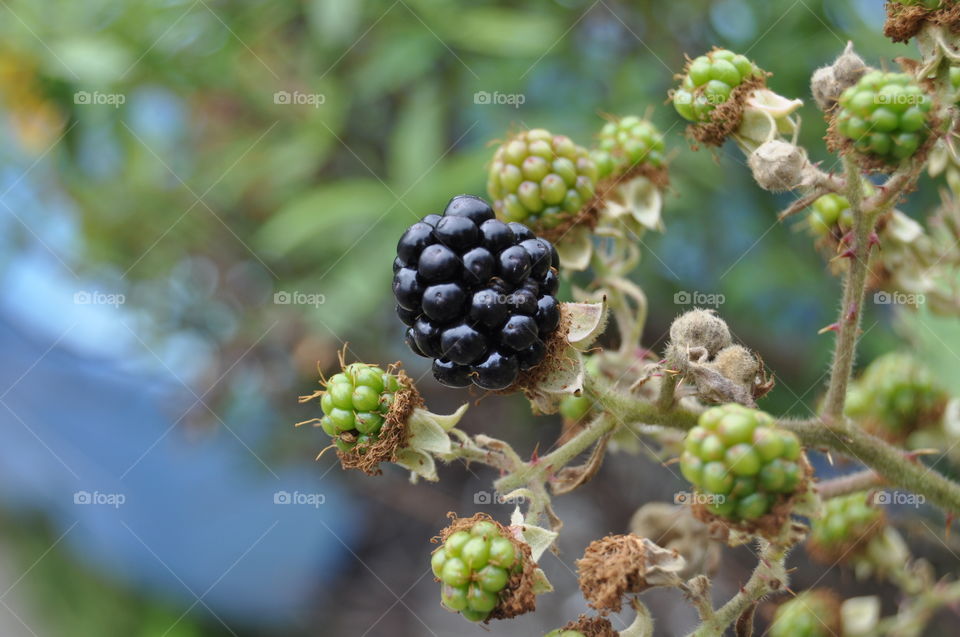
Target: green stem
x: 851, y: 308
x: 540, y: 469
x: 896, y: 467
x: 769, y: 576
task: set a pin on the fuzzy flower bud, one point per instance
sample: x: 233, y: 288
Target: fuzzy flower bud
x: 700, y: 328
x: 829, y: 82
x: 778, y: 165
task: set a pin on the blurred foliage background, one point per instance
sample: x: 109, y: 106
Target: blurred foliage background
x: 211, y: 160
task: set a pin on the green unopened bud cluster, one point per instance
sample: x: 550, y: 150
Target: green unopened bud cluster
x: 628, y: 142
x: 473, y: 567
x: 742, y: 461
x: 355, y: 404
x: 832, y: 212
x: 539, y: 179
x: 846, y: 521
x: 885, y: 115
x: 709, y: 81
x: 895, y: 396
x: 814, y: 613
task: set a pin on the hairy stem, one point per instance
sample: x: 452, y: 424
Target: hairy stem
x: 897, y: 467
x: 769, y: 576
x: 851, y: 307
x: 540, y: 469
x: 850, y: 483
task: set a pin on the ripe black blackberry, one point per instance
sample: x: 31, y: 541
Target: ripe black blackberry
x: 476, y: 294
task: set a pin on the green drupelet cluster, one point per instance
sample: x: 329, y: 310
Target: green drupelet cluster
x: 709, y: 81
x: 814, y: 613
x: 846, y: 522
x: 741, y: 461
x: 474, y: 567
x: 540, y: 179
x: 626, y: 143
x: 885, y: 116
x: 355, y: 404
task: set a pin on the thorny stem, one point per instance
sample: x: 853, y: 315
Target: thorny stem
x: 892, y: 464
x: 851, y: 307
x: 899, y: 468
x: 769, y: 576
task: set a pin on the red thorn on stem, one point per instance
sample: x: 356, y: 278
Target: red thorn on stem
x: 874, y: 240
x: 833, y: 327
x: 852, y: 312
x: 847, y: 238
x: 847, y: 254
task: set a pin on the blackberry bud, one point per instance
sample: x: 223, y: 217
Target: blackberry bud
x: 778, y: 165
x: 700, y: 328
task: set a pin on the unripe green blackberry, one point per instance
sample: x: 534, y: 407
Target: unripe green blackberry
x: 895, y: 396
x: 575, y: 408
x: 831, y: 212
x: 628, y: 142
x: 709, y: 81
x: 741, y: 462
x: 813, y: 613
x: 848, y: 522
x: 540, y: 179
x: 474, y: 566
x: 885, y: 116
x: 355, y: 405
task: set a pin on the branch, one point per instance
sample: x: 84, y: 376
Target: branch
x: 897, y: 467
x: 539, y: 469
x: 851, y: 307
x: 850, y: 483
x: 770, y: 576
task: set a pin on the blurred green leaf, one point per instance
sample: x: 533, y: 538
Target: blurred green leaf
x: 352, y: 202
x: 418, y: 138
x: 499, y: 31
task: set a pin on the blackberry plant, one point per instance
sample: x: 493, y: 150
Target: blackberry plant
x: 476, y: 291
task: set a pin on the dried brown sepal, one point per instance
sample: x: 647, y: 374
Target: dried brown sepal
x: 725, y: 118
x: 517, y: 597
x: 659, y: 175
x: 393, y: 435
x: 592, y: 626
x: 769, y: 525
x: 617, y: 565
x: 587, y: 216
x: 904, y: 22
